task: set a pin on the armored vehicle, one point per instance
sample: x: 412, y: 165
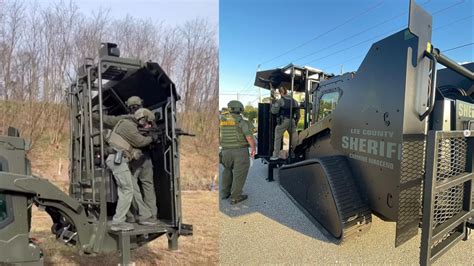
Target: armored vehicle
x: 80, y: 217
x: 394, y: 139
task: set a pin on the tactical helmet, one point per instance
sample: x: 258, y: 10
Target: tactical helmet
x: 235, y: 106
x: 96, y: 108
x: 144, y: 113
x: 134, y: 100
x: 282, y: 90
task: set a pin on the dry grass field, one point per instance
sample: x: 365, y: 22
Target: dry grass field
x: 198, y: 162
x: 199, y: 209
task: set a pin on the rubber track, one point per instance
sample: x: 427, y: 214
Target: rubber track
x: 354, y: 213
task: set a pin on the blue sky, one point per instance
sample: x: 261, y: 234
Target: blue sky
x: 170, y: 12
x: 255, y: 32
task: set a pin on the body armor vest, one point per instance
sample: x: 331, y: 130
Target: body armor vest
x: 286, y: 108
x: 231, y: 135
x: 117, y: 142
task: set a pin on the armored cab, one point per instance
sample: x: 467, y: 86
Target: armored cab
x: 15, y: 214
x: 394, y: 139
x: 81, y: 218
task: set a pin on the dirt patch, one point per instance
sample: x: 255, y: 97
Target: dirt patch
x: 199, y: 209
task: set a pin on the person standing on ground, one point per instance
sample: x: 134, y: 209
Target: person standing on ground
x: 236, y: 136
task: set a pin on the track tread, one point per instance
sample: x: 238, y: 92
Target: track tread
x: 354, y: 214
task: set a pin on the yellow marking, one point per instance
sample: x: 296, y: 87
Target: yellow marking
x: 228, y: 123
x: 428, y: 47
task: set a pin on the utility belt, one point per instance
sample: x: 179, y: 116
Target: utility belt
x: 133, y: 155
x: 122, y: 149
x: 236, y: 147
x: 280, y: 119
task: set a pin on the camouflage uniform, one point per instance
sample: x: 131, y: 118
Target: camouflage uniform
x: 235, y: 153
x: 282, y: 108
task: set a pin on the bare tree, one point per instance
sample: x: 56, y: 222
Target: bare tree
x: 41, y: 47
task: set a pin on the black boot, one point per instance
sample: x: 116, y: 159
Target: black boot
x: 239, y: 199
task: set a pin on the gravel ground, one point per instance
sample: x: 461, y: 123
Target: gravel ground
x: 269, y: 228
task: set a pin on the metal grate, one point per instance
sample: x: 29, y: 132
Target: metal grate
x: 447, y: 204
x: 412, y: 170
x: 413, y: 160
x: 451, y: 157
x: 448, y: 175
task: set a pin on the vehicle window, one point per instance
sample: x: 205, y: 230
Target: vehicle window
x: 327, y: 104
x: 3, y: 202
x: 3, y: 208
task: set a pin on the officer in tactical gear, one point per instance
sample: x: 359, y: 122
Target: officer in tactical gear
x: 283, y: 108
x: 134, y: 103
x: 142, y: 169
x: 109, y: 120
x: 236, y: 135
x: 126, y: 141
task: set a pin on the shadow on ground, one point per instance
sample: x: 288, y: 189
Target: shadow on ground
x: 268, y: 199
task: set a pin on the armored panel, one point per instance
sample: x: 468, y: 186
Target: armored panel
x: 163, y: 184
x: 266, y: 130
x: 385, y: 121
x: 149, y: 82
x: 15, y: 246
x: 384, y: 135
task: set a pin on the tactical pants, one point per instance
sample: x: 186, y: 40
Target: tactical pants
x: 236, y: 164
x: 280, y: 131
x: 142, y: 171
x: 126, y: 185
x: 139, y: 208
x: 123, y: 177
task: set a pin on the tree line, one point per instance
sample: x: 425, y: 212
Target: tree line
x: 41, y: 47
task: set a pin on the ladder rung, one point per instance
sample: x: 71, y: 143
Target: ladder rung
x: 449, y: 225
x: 440, y: 249
x: 453, y: 181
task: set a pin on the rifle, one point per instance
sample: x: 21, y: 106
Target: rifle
x: 157, y: 133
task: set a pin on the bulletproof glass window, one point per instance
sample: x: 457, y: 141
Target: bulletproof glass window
x: 3, y: 208
x: 4, y: 215
x: 327, y: 103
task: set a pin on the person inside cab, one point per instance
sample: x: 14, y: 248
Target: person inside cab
x: 287, y: 111
x: 126, y: 142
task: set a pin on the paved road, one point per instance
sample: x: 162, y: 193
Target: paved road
x: 269, y: 228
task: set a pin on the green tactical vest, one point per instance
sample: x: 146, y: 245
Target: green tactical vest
x: 119, y: 143
x: 231, y: 135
